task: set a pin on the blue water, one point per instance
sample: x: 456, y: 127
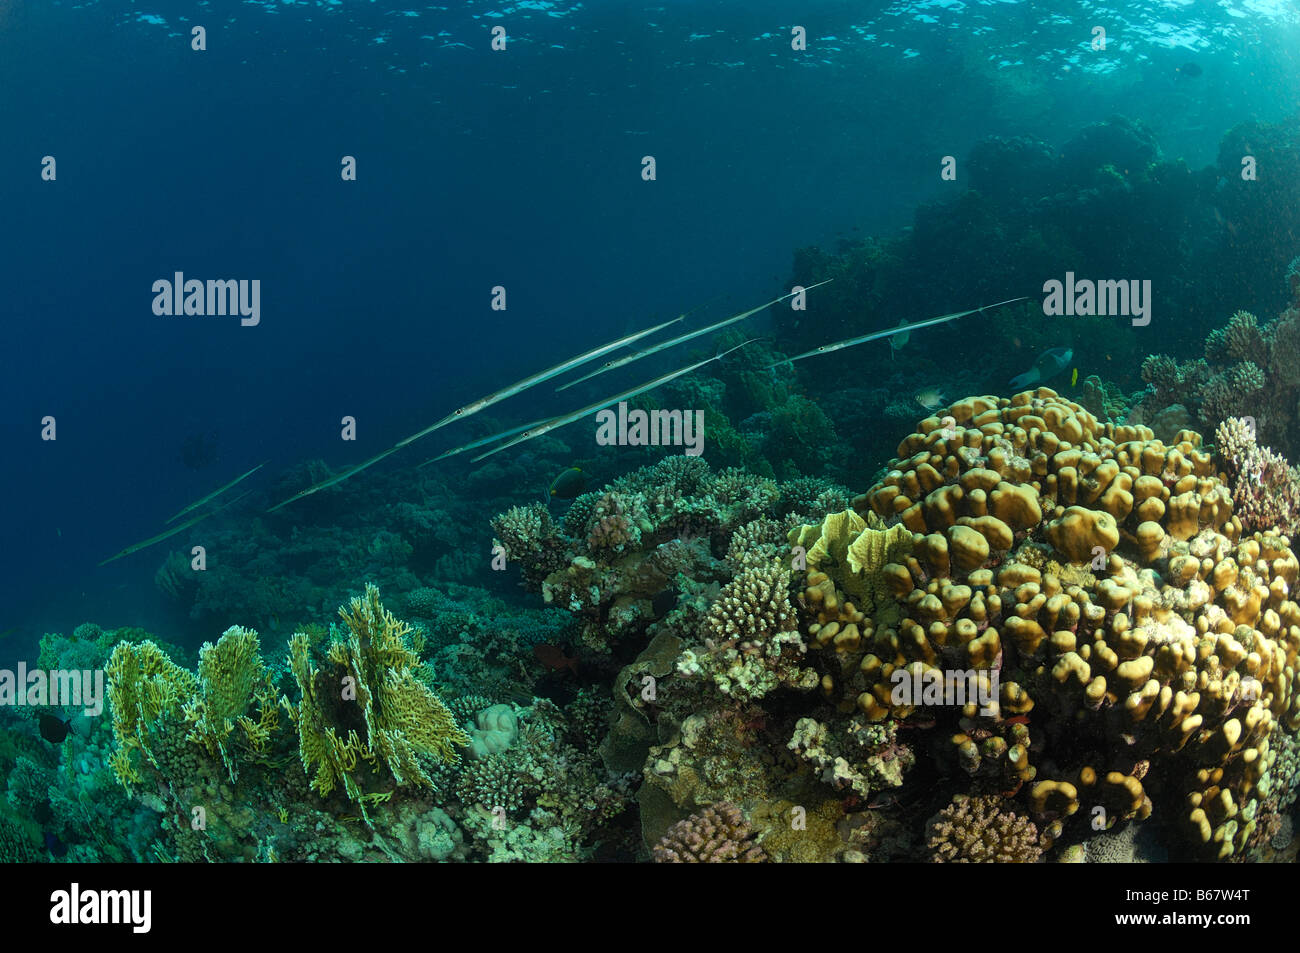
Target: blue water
x: 476, y: 168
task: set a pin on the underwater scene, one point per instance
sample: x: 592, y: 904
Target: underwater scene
x: 544, y: 431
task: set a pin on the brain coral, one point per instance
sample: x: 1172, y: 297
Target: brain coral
x: 1099, y: 580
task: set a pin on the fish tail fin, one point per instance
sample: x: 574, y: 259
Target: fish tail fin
x: 1027, y: 379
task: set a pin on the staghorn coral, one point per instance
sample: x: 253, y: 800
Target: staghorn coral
x: 975, y: 830
x: 716, y: 835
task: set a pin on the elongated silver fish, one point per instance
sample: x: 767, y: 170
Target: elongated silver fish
x: 663, y: 346
x: 531, y: 381
x: 334, y: 480
x: 481, y: 441
x: 216, y: 493
x: 144, y: 544
x: 890, y: 332
x: 592, y: 408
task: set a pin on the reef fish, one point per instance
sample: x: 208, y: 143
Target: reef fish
x: 929, y: 397
x: 1049, y: 364
x: 531, y: 381
x: 568, y: 484
x: 54, y: 845
x: 566, y: 419
x: 663, y: 346
x: 216, y: 493
x: 54, y: 730
x: 900, y: 338
x: 877, y: 335
x: 553, y: 658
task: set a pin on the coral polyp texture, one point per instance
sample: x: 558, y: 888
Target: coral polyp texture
x: 1096, y: 584
x: 716, y: 835
x: 1265, y: 488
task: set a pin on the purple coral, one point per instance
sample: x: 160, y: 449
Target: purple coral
x: 716, y: 835
x: 1265, y: 488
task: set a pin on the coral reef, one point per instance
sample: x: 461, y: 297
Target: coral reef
x: 1249, y: 371
x: 1103, y: 578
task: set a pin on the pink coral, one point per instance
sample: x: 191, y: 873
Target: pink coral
x: 716, y: 835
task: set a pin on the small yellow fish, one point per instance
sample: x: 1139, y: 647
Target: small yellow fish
x: 1074, y: 378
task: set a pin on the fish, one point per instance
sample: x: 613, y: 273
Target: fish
x: 216, y: 493
x: 553, y: 658
x: 54, y: 730
x: 663, y: 346
x: 531, y: 381
x: 481, y: 441
x: 1189, y: 70
x: 899, y: 340
x: 335, y: 480
x: 877, y: 335
x: 160, y: 537
x: 929, y: 397
x: 54, y: 845
x: 8, y: 632
x: 1074, y: 378
x: 566, y: 419
x: 1049, y: 364
x: 568, y: 484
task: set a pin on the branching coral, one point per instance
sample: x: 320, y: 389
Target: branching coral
x: 1265, y: 489
x: 716, y: 835
x: 974, y: 830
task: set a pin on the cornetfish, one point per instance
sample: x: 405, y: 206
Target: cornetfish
x: 663, y: 346
x: 890, y: 332
x: 475, y: 444
x: 592, y: 408
x: 136, y: 547
x: 475, y: 406
x: 216, y: 493
x: 334, y: 480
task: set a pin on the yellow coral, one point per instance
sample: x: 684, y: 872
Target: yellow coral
x: 231, y: 674
x: 374, y: 675
x: 143, y: 684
